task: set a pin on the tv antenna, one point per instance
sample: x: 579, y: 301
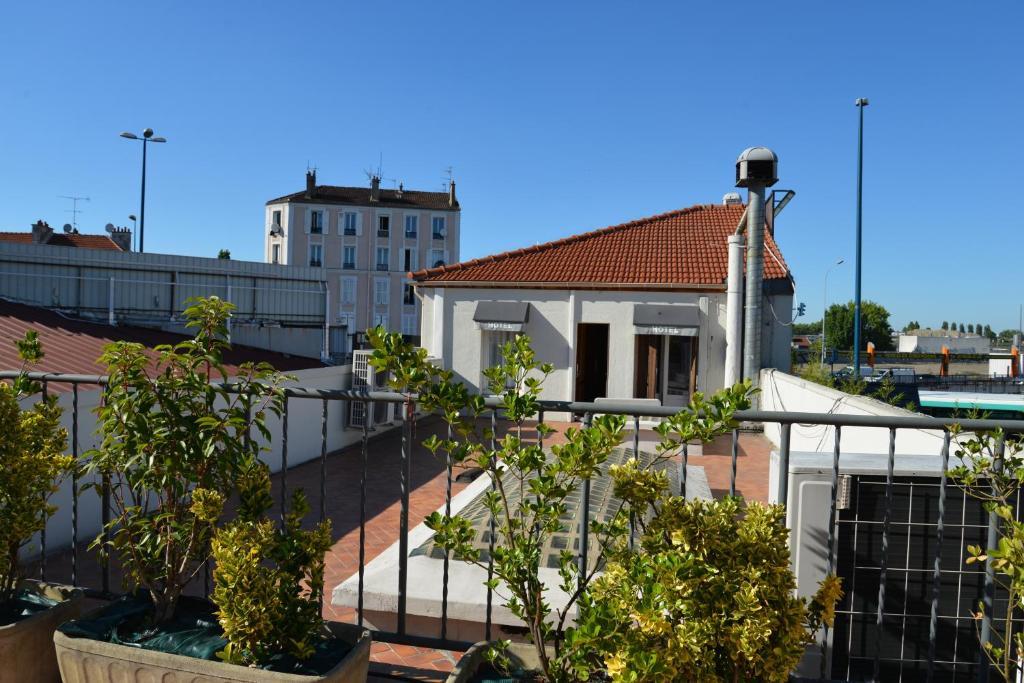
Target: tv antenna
x: 449, y: 177
x: 74, y: 210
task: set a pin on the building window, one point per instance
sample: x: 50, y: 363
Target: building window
x: 316, y: 222
x: 494, y: 341
x: 412, y: 223
x: 380, y: 291
x: 409, y: 328
x: 349, y: 222
x: 383, y: 225
x: 409, y: 263
x: 276, y: 219
x: 436, y: 258
x: 348, y: 259
x: 409, y: 296
x: 316, y: 253
x: 348, y: 290
x: 383, y: 258
x: 438, y: 227
x: 380, y: 320
x: 275, y: 251
x: 348, y: 321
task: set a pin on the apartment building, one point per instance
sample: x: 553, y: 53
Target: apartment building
x: 366, y: 240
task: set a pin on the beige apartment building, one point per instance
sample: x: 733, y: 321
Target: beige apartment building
x: 366, y: 240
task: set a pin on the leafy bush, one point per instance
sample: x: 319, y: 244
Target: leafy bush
x: 993, y: 475
x: 531, y: 488
x: 32, y: 464
x: 174, y: 442
x: 709, y: 597
x: 263, y: 608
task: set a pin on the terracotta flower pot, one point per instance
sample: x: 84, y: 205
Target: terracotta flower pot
x: 84, y: 660
x: 26, y: 646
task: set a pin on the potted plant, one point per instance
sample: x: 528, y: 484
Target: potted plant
x: 175, y: 446
x: 529, y: 501
x: 32, y: 465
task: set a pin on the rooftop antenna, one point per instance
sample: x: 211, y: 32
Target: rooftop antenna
x: 450, y: 176
x: 74, y: 210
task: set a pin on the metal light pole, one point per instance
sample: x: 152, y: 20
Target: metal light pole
x: 824, y: 306
x: 147, y: 136
x: 860, y: 103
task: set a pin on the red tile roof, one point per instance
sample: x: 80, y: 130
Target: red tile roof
x: 64, y: 240
x: 360, y: 196
x: 73, y: 346
x: 685, y: 248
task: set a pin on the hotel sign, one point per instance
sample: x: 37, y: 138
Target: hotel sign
x: 494, y: 326
x: 666, y: 330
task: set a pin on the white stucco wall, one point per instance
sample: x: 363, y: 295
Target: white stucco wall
x: 912, y: 343
x: 783, y: 392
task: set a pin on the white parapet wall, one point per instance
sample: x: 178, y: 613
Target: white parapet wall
x: 784, y: 392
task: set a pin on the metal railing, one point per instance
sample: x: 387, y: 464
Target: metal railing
x: 884, y: 619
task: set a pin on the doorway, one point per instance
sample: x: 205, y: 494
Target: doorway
x: 591, y: 361
x: 665, y: 368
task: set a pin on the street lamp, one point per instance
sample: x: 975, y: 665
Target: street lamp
x: 824, y: 307
x: 135, y: 229
x: 860, y: 103
x: 147, y: 136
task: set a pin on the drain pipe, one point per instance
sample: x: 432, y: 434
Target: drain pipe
x: 734, y: 307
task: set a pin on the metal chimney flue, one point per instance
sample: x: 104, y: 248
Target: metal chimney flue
x: 756, y: 169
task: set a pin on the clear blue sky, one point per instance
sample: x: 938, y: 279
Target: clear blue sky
x: 556, y: 117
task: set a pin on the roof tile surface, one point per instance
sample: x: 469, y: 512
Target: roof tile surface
x: 360, y: 196
x: 684, y: 247
x: 64, y: 240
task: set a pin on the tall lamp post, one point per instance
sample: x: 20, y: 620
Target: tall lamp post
x: 824, y: 306
x: 860, y: 103
x: 147, y: 136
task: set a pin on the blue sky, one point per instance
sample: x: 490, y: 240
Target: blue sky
x: 556, y: 117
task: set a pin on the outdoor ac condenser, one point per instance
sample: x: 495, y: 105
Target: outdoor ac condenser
x: 856, y: 559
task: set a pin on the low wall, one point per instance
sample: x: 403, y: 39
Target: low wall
x: 784, y: 392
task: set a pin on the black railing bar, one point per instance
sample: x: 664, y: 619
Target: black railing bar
x: 447, y: 554
x: 683, y: 462
x: 879, y: 616
x: 784, y: 435
x: 636, y: 454
x: 403, y: 520
x: 585, y: 517
x: 830, y: 550
x: 362, y: 510
x: 491, y: 529
x: 988, y: 596
x: 933, y: 624
x: 734, y: 454
x: 323, y: 479
x: 284, y: 460
x: 613, y: 407
x: 74, y: 485
x: 42, y: 532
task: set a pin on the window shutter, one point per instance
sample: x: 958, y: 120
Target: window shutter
x: 359, y: 222
x: 446, y: 257
x: 309, y: 219
x: 414, y: 260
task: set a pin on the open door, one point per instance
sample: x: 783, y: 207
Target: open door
x: 591, y: 361
x: 647, y: 371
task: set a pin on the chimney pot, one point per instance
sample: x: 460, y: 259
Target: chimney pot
x: 451, y: 193
x: 310, y: 183
x: 375, y: 189
x: 41, y: 232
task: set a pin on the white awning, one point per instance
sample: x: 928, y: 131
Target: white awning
x: 681, y: 321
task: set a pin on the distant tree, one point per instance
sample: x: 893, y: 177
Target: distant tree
x: 875, y: 326
x: 1006, y: 336
x: 989, y: 333
x: 952, y: 326
x: 962, y: 330
x: 977, y: 328
x: 224, y: 254
x: 970, y: 328
x: 945, y: 325
x: 807, y: 328
x: 911, y: 326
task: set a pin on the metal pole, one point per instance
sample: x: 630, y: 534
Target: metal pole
x: 861, y: 103
x: 755, y: 272
x: 142, y: 207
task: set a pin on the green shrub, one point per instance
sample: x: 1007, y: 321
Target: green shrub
x: 263, y: 608
x: 174, y: 443
x: 708, y: 597
x: 32, y: 464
